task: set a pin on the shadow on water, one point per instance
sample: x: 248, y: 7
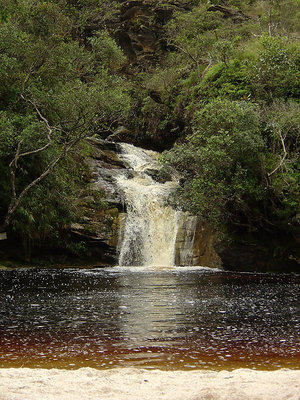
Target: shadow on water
x: 177, y: 318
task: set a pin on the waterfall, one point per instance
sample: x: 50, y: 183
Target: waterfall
x: 149, y: 232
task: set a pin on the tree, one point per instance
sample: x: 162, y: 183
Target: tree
x: 53, y: 93
x: 220, y: 163
x: 240, y: 167
x: 192, y: 36
x: 275, y: 72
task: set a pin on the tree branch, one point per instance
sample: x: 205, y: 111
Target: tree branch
x: 206, y: 68
x: 185, y: 51
x: 282, y: 158
x: 15, y: 201
x: 13, y: 166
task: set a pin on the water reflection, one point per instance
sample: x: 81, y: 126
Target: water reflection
x: 151, y: 310
x: 166, y: 318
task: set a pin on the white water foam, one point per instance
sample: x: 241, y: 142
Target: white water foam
x: 149, y: 233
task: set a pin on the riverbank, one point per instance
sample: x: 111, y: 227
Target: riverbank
x: 136, y: 384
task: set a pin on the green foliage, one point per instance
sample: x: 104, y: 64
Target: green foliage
x: 275, y: 73
x: 235, y: 88
x: 282, y: 130
x: 278, y: 17
x: 49, y: 206
x: 55, y: 89
x: 15, y: 128
x: 232, y: 82
x: 223, y: 50
x: 192, y: 35
x: 221, y: 162
x: 105, y: 50
x: 240, y: 167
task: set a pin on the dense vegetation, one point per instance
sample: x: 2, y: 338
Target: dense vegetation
x: 57, y: 86
x: 240, y: 154
x: 220, y: 93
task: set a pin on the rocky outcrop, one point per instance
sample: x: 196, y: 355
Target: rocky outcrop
x: 228, y: 12
x: 121, y: 134
x: 194, y: 243
x: 140, y: 29
x: 101, y: 204
x: 105, y: 166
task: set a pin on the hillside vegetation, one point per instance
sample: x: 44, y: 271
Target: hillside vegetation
x: 215, y: 86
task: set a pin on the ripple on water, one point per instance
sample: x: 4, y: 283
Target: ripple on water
x: 170, y: 318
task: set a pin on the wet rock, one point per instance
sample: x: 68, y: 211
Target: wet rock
x: 104, y: 179
x: 159, y: 175
x: 121, y: 134
x: 151, y: 172
x: 106, y: 166
x: 103, y: 144
x: 98, y: 231
x: 101, y: 202
x: 194, y: 243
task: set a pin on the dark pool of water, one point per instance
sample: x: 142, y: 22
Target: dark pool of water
x: 169, y: 318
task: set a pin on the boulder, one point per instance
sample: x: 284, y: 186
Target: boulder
x: 121, y: 134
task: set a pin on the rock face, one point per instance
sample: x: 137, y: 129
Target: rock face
x: 235, y: 15
x: 105, y: 166
x: 100, y: 227
x: 194, y: 243
x: 140, y: 29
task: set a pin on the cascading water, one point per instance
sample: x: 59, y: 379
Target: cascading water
x: 150, y: 228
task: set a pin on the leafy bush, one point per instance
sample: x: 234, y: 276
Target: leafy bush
x: 220, y: 162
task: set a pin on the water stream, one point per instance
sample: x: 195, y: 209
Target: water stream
x: 169, y: 318
x: 148, y: 235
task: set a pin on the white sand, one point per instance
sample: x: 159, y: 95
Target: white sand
x: 139, y: 384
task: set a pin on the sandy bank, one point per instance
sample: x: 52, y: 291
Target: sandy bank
x: 138, y: 384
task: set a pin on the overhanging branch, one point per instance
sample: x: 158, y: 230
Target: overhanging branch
x: 13, y: 166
